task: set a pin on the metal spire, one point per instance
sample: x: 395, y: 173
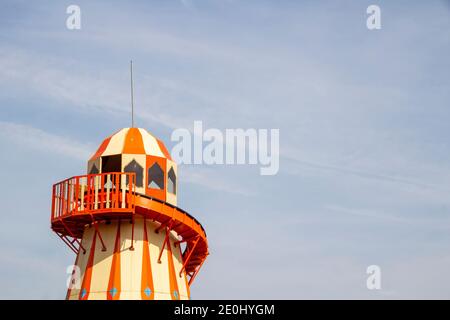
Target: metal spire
x: 132, y: 96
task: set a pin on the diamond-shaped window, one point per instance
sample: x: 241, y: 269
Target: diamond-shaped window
x: 155, y: 177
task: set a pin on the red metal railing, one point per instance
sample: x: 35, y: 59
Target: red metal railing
x: 89, y: 199
x: 104, y: 192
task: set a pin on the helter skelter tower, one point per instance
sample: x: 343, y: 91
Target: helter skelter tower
x: 121, y: 219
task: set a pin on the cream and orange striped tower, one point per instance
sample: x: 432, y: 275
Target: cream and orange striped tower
x: 122, y: 220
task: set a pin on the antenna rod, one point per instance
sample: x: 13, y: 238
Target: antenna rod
x: 132, y: 97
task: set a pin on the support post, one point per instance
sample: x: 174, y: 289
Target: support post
x: 71, y: 234
x: 163, y: 225
x: 196, y: 272
x: 189, y: 255
x: 99, y: 234
x: 166, y: 238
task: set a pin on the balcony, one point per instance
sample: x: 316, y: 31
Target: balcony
x: 94, y: 193
x: 89, y: 199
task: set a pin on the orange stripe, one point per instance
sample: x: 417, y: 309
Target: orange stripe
x: 174, y: 293
x: 86, y: 286
x: 113, y: 292
x: 133, y: 142
x: 163, y: 149
x: 101, y: 149
x: 147, y: 289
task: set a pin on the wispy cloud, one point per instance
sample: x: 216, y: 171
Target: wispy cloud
x: 364, y: 212
x: 74, y: 86
x: 40, y: 140
x: 212, y: 180
x: 422, y: 180
x: 43, y: 141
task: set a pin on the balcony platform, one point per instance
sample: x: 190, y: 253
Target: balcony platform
x: 89, y: 199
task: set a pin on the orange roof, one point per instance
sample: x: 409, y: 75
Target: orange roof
x: 132, y: 141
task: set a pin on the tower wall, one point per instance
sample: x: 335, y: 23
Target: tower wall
x: 130, y: 175
x: 121, y: 273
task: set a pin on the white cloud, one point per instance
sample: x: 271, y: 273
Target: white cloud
x: 213, y: 180
x: 367, y: 213
x: 42, y: 141
x: 73, y: 86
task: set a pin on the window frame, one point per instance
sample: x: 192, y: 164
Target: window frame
x: 150, y: 179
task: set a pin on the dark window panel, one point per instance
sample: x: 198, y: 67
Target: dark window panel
x: 94, y: 169
x: 133, y: 166
x: 172, y: 182
x: 155, y: 177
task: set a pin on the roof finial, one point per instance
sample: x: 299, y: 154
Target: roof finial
x: 132, y: 97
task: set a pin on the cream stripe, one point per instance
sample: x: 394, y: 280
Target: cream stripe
x: 102, y: 261
x: 116, y: 143
x: 131, y: 261
x: 177, y: 262
x: 82, y: 260
x: 150, y: 144
x: 160, y: 271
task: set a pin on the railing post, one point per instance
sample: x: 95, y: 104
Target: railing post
x: 100, y: 191
x: 53, y: 203
x: 108, y: 186
x: 58, y: 192
x: 123, y: 185
x: 96, y: 192
x: 91, y: 190
x: 83, y: 186
x: 77, y: 193
x: 64, y: 198
x: 70, y: 196
x: 86, y: 198
x: 116, y: 190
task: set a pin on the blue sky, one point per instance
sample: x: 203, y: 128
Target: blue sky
x: 364, y: 136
